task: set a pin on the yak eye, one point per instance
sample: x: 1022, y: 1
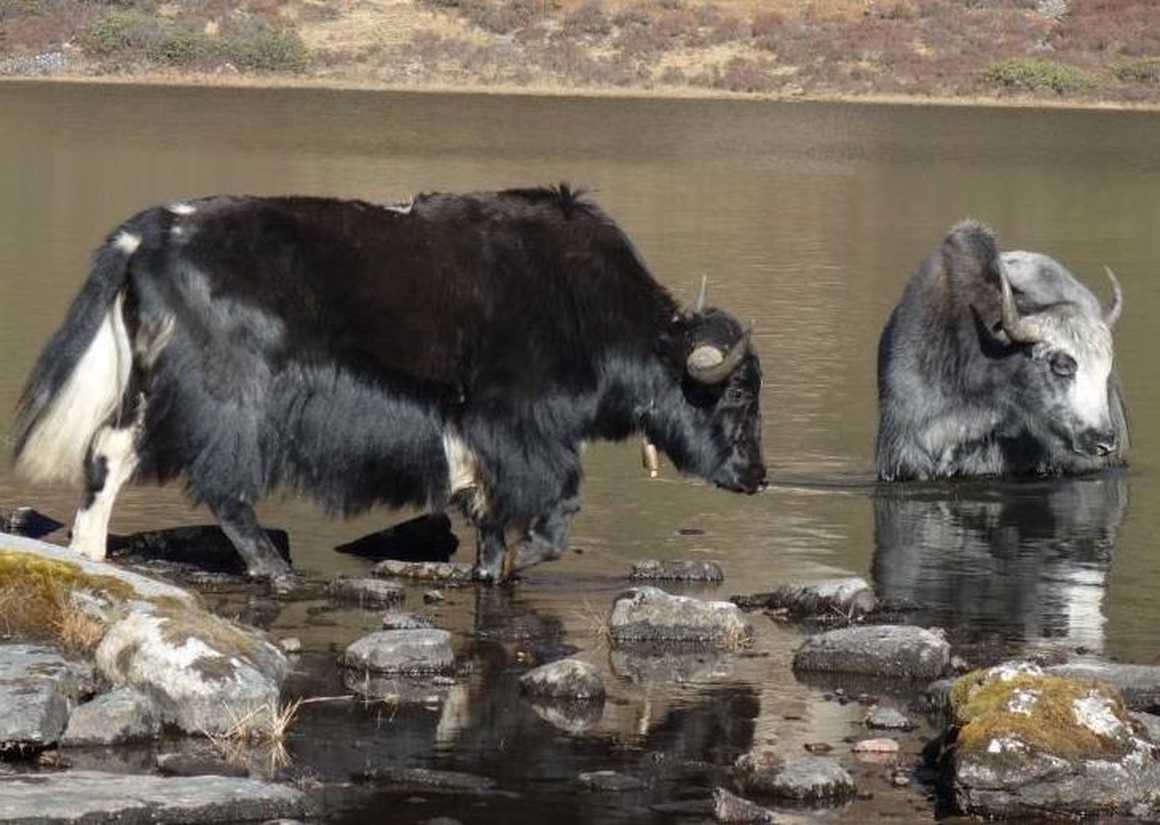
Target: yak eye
x: 1063, y: 365
x: 735, y: 395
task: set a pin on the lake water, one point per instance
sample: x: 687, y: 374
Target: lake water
x: 807, y: 219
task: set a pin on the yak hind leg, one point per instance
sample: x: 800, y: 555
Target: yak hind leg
x: 109, y: 463
x: 240, y: 524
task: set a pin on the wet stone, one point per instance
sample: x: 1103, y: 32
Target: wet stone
x: 401, y: 651
x: 291, y: 644
x: 368, y: 592
x: 94, y: 797
x: 647, y: 614
x: 433, y: 597
x: 426, y: 778
x: 38, y: 688
x: 1150, y: 723
x: 567, y: 679
x: 891, y: 651
x: 197, y: 764
x: 803, y: 778
x: 446, y: 573
x: 887, y: 719
x: 728, y: 807
x: 203, y: 546
x: 398, y: 620
x: 570, y: 717
x: 24, y: 521
x: 682, y: 571
x: 1138, y: 684
x: 122, y: 715
x: 880, y: 745
x: 849, y: 597
x: 610, y: 781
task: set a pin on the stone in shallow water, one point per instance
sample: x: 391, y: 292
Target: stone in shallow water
x: 401, y: 651
x: 610, y: 781
x: 892, y: 651
x: 567, y: 679
x: 426, y: 778
x: 446, y: 573
x: 1138, y: 684
x: 648, y: 614
x: 684, y: 571
x: 122, y: 715
x: 851, y: 597
x: 203, y: 546
x: 368, y: 592
x: 731, y: 808
x: 800, y: 778
x: 880, y: 718
x: 38, y: 688
x: 24, y: 521
x: 398, y: 620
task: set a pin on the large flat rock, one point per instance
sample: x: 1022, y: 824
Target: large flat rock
x: 648, y: 614
x: 38, y: 689
x: 850, y: 597
x: 401, y: 651
x: 891, y: 651
x: 94, y: 798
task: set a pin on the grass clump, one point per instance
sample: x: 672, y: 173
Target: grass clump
x: 1145, y: 70
x: 1035, y: 75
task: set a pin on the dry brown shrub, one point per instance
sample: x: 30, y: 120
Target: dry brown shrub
x: 766, y: 22
x: 588, y: 19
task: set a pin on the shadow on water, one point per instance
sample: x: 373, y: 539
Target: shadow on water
x: 1014, y: 564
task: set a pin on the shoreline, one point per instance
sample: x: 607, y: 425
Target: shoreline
x: 291, y: 83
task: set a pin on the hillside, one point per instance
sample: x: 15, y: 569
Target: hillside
x: 1080, y: 51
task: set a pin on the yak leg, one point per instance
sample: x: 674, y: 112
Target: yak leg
x: 546, y: 538
x: 111, y: 460
x: 241, y: 526
x: 490, y: 553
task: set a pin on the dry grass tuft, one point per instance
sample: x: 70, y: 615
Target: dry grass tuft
x: 595, y: 621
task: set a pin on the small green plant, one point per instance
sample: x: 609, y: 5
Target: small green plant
x: 263, y: 48
x: 1145, y: 70
x: 1038, y: 75
x: 117, y: 32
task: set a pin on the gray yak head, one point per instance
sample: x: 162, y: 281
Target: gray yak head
x: 1064, y: 342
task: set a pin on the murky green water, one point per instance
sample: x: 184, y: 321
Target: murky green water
x: 807, y: 218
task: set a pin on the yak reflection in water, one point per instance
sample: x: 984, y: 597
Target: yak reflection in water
x: 1013, y: 562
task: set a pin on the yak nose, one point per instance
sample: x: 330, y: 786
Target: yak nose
x: 1099, y: 442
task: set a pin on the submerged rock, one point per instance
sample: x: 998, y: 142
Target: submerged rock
x: 801, y: 778
x: 731, y: 808
x: 447, y: 573
x: 682, y: 571
x: 204, y: 672
x: 203, y: 546
x: 94, y: 797
x: 610, y: 781
x: 1029, y: 743
x: 659, y: 664
x: 38, y: 689
x: 1138, y: 684
x: 849, y: 597
x: 425, y: 538
x: 570, y: 717
x: 893, y: 651
x: 401, y: 651
x: 122, y: 715
x: 567, y: 679
x: 368, y: 592
x: 24, y: 521
x: 647, y: 614
x: 426, y: 778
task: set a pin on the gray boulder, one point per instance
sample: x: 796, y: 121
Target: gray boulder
x: 681, y: 571
x: 446, y: 572
x: 1138, y: 684
x: 892, y: 651
x: 647, y: 614
x: 401, y: 651
x: 880, y: 718
x: 368, y: 592
x: 567, y: 679
x: 204, y: 672
x: 122, y: 715
x: 38, y: 689
x: 802, y: 779
x: 94, y: 797
x: 850, y: 597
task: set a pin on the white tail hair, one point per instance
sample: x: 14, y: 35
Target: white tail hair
x: 56, y: 447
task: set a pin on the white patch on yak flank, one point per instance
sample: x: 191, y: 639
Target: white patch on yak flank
x: 127, y: 242
x: 181, y: 208
x: 91, y: 527
x: 56, y: 447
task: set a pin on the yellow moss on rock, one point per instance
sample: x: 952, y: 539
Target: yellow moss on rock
x: 982, y: 708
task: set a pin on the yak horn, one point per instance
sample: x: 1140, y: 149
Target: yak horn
x: 1112, y: 315
x: 648, y: 457
x: 708, y: 365
x: 1019, y: 330
x: 699, y: 306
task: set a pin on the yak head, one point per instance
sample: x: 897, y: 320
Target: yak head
x: 1063, y: 384
x: 712, y: 424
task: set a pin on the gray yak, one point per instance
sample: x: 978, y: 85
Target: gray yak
x: 997, y: 364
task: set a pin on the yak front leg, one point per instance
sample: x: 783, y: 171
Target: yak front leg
x: 240, y: 524
x: 546, y: 538
x: 490, y: 553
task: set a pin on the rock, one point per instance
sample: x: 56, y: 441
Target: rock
x: 938, y: 694
x: 425, y: 538
x: 610, y: 781
x: 847, y: 597
x: 426, y: 778
x: 291, y: 644
x: 570, y: 717
x: 197, y: 764
x: 447, y: 573
x: 368, y: 592
x: 647, y: 614
x: 887, y: 719
x: 800, y: 778
x: 728, y: 807
x: 38, y: 689
x: 398, y: 620
x: 567, y: 679
x: 122, y: 715
x: 879, y: 745
x: 433, y: 597
x: 1150, y: 723
x: 203, y: 546
x: 24, y: 521
x: 818, y: 747
x: 681, y: 571
x: 204, y: 672
x: 96, y: 797
x: 891, y: 651
x: 1138, y: 684
x: 401, y: 651
x: 659, y: 664
x: 1029, y: 743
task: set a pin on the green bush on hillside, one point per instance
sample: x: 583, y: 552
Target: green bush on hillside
x: 1038, y: 75
x: 1146, y: 70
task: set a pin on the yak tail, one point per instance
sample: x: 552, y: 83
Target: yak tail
x: 80, y: 379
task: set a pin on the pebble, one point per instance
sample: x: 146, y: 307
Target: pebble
x: 887, y: 719
x: 881, y: 745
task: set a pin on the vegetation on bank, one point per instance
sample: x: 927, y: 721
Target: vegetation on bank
x: 1049, y: 49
